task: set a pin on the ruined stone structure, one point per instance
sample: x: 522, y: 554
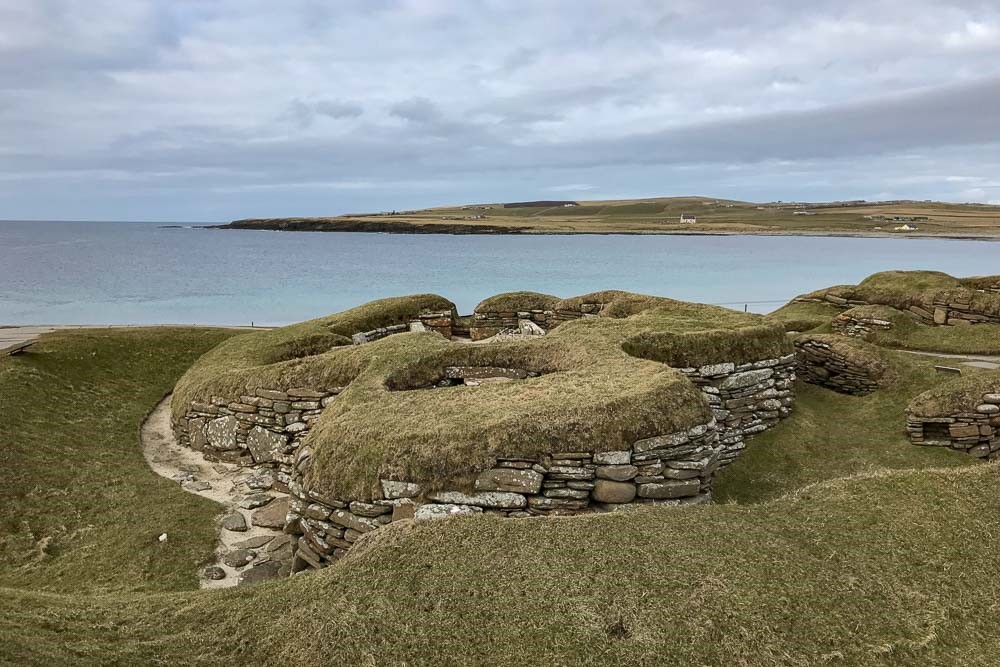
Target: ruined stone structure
x: 850, y: 323
x: 271, y: 426
x: 843, y: 365
x: 951, y: 308
x: 973, y: 427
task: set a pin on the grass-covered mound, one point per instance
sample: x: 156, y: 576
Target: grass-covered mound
x: 960, y: 394
x: 889, y: 296
x: 599, y: 387
x: 252, y: 360
x: 882, y: 568
x: 593, y: 394
x: 921, y: 289
x: 513, y: 302
x: 800, y: 316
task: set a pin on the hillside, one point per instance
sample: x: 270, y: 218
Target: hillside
x: 662, y: 216
x: 834, y: 540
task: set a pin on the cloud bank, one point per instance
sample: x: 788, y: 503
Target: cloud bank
x: 213, y: 110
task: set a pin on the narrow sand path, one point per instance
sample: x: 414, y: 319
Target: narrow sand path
x: 991, y: 362
x: 251, y: 545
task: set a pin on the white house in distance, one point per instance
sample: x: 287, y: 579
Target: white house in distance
x: 688, y: 219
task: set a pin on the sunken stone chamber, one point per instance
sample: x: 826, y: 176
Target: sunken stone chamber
x: 640, y: 428
x: 971, y: 426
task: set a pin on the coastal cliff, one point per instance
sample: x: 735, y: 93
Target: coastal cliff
x: 361, y: 225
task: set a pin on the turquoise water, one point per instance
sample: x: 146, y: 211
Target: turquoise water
x: 140, y: 273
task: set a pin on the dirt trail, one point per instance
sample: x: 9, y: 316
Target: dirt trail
x: 230, y: 485
x: 988, y: 361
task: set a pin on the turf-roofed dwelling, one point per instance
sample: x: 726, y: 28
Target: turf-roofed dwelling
x: 963, y: 414
x: 382, y: 412
x: 929, y: 296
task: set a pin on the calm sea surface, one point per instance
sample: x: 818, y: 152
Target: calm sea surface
x: 140, y: 273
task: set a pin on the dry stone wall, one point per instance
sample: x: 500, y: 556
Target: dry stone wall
x: 441, y: 322
x: 675, y: 468
x: 858, y: 326
x: 975, y: 431
x: 820, y: 363
x: 270, y: 427
x: 265, y: 428
x: 746, y: 398
x: 490, y: 323
x: 954, y: 310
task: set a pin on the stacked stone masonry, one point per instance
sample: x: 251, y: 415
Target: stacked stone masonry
x: 674, y: 468
x: 490, y: 323
x: 746, y: 398
x: 440, y: 322
x: 858, y: 327
x: 265, y: 428
x: 270, y: 428
x: 819, y: 363
x: 939, y: 313
x: 976, y: 432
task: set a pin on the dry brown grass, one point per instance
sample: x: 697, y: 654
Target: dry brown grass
x: 961, y: 394
x: 512, y: 302
x: 599, y: 388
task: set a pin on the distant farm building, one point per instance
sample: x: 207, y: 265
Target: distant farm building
x: 905, y: 228
x: 803, y: 213
x: 688, y: 219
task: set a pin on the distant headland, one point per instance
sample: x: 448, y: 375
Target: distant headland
x: 666, y: 215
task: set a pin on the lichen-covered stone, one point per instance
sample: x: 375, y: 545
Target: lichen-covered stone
x: 392, y: 489
x: 221, y: 433
x: 265, y: 445
x: 608, y: 491
x: 493, y: 499
x: 621, y: 457
x: 433, y: 511
x: 669, y: 489
x: 512, y: 480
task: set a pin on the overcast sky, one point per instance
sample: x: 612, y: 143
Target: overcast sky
x: 200, y: 110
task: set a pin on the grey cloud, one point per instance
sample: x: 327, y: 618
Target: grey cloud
x: 338, y: 109
x: 416, y: 110
x: 135, y: 98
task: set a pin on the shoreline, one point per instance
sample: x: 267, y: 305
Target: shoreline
x: 520, y: 231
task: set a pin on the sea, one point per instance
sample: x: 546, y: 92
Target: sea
x: 160, y: 273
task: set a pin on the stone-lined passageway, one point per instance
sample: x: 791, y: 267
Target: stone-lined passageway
x: 252, y: 546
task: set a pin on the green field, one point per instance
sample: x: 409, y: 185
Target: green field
x: 818, y: 553
x: 661, y: 215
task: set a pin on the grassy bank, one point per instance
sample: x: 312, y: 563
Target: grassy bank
x: 834, y: 435
x: 884, y: 568
x: 81, y: 511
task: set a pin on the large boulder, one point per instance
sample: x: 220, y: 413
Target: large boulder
x: 265, y: 445
x: 221, y: 433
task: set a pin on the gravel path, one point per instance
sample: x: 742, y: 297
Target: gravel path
x: 235, y: 488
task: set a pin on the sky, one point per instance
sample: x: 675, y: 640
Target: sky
x: 212, y: 110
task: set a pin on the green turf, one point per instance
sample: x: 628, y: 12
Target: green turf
x: 79, y: 508
x: 886, y: 568
x: 598, y: 389
x: 833, y: 435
